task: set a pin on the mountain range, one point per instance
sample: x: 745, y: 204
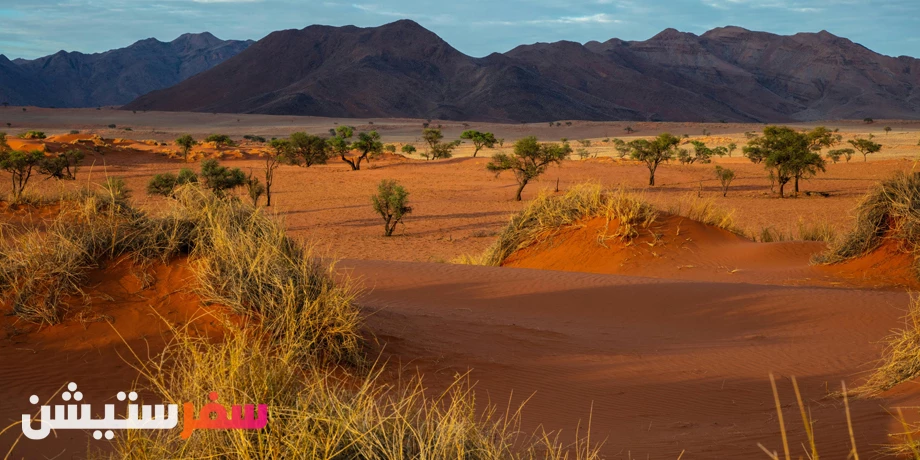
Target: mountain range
x: 402, y: 69
x: 72, y: 79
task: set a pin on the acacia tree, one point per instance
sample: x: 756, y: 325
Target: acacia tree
x: 62, y: 166
x: 436, y: 148
x: 392, y: 203
x: 408, y: 149
x: 307, y: 150
x: 786, y: 153
x: 368, y: 144
x: 731, y: 148
x: 479, y: 139
x: 834, y: 155
x: 654, y: 152
x: 339, y: 144
x: 530, y: 159
x: 186, y: 142
x: 865, y: 146
x: 279, y: 151
x: 20, y: 165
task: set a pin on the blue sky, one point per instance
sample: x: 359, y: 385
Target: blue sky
x: 35, y: 28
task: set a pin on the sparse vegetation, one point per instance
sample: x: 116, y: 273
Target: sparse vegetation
x: 408, y: 149
x: 529, y: 161
x: 392, y: 203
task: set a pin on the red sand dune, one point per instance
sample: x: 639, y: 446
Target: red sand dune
x: 686, y: 249
x: 664, y: 365
x: 36, y: 360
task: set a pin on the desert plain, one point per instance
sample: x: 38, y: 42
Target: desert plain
x: 661, y: 348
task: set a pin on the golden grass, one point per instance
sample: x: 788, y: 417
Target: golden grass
x: 901, y: 359
x: 706, y: 211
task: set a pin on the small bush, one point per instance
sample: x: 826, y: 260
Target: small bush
x: 220, y: 179
x: 392, y: 203
x: 112, y: 126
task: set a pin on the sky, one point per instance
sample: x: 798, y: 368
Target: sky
x: 29, y: 29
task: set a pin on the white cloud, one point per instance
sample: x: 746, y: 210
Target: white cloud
x: 599, y: 18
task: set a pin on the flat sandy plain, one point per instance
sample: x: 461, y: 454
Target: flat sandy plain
x: 667, y: 350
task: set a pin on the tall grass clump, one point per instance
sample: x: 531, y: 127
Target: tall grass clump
x: 890, y: 210
x: 547, y: 214
x: 704, y: 210
x: 901, y: 359
x: 243, y: 259
x: 40, y: 270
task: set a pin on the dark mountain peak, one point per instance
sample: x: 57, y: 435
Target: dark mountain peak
x: 196, y: 41
x: 670, y: 34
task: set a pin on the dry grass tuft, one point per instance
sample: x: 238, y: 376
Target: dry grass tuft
x: 704, y: 210
x: 547, y: 214
x: 901, y: 359
x: 890, y: 210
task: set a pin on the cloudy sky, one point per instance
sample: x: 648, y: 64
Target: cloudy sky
x: 35, y: 28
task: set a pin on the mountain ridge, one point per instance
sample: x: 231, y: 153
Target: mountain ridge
x: 113, y: 77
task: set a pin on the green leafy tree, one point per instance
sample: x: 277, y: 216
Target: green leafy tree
x: 480, y: 140
x: 529, y: 161
x: 836, y: 154
x: 4, y: 146
x: 62, y: 166
x: 725, y: 177
x: 186, y: 142
x: 220, y: 140
x: 341, y: 146
x: 32, y: 135
x: 20, y: 165
x: 731, y: 148
x: 787, y: 154
x: 654, y: 152
x: 389, y: 148
x: 392, y: 203
x: 308, y: 150
x: 368, y: 145
x: 621, y: 147
x: 408, y: 149
x: 437, y: 149
x: 865, y: 146
x: 219, y: 179
x: 887, y: 130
